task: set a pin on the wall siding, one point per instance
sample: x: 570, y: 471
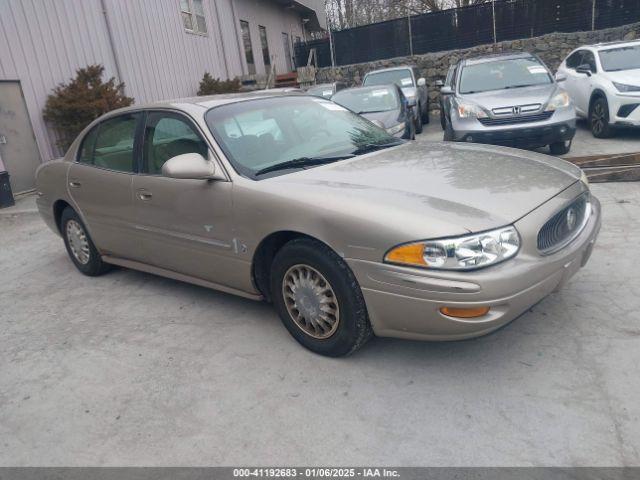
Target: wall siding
x: 43, y: 43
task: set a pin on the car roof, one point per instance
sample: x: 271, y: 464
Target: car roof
x: 209, y: 101
x: 619, y: 43
x: 401, y: 67
x: 392, y: 86
x: 496, y: 56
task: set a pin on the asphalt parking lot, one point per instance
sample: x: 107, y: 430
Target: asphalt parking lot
x: 133, y: 369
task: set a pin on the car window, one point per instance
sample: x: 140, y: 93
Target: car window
x: 168, y: 135
x: 402, y: 78
x: 449, y: 80
x: 589, y: 58
x: 85, y: 152
x: 503, y: 74
x: 260, y: 133
x: 574, y: 60
x: 115, y: 142
x: 368, y: 100
x: 621, y: 58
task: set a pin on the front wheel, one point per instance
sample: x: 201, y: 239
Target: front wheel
x: 80, y: 247
x: 599, y: 119
x: 560, y: 148
x: 418, y: 120
x: 318, y: 298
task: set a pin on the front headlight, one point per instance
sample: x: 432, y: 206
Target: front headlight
x: 559, y: 100
x: 395, y: 129
x: 467, y: 252
x: 470, y: 110
x: 626, y: 88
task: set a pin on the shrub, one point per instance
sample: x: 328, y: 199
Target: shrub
x: 211, y: 86
x: 72, y: 106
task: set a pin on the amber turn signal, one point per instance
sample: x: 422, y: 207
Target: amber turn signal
x: 464, y: 312
x: 412, y: 254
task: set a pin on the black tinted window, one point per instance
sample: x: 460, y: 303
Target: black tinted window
x: 574, y: 60
x: 168, y: 135
x: 85, y: 153
x: 589, y: 59
x: 115, y: 141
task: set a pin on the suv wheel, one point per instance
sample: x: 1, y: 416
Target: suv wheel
x: 599, y: 119
x: 560, y: 148
x: 318, y: 299
x: 80, y: 247
x: 419, y: 120
x: 443, y: 120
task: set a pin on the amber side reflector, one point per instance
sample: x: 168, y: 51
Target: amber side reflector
x: 464, y: 312
x: 412, y: 254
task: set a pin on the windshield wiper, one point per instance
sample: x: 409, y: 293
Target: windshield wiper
x: 303, y: 162
x: 521, y: 86
x: 372, y: 147
x: 372, y: 111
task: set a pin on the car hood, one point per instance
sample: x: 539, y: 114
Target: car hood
x: 516, y: 96
x: 439, y: 188
x: 626, y: 77
x: 388, y: 119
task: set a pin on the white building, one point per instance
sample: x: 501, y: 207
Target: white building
x: 159, y: 48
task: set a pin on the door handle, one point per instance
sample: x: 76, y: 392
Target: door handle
x: 75, y: 184
x: 144, y: 195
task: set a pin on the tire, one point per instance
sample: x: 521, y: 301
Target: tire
x: 425, y: 115
x: 418, y: 121
x: 320, y: 267
x: 560, y: 148
x: 599, y: 118
x: 448, y: 132
x: 443, y: 120
x: 80, y: 247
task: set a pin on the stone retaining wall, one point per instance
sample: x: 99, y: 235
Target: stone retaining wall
x: 552, y: 48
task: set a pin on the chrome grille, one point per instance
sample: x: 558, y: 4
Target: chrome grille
x: 564, y: 226
x: 538, y: 117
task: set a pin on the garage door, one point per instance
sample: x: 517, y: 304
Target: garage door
x: 18, y: 148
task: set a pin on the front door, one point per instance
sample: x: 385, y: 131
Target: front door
x: 18, y: 148
x: 185, y: 226
x: 100, y: 182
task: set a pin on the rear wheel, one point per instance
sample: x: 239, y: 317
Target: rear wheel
x: 318, y: 298
x: 443, y: 120
x: 418, y: 120
x: 560, y: 148
x: 80, y: 247
x: 599, y: 119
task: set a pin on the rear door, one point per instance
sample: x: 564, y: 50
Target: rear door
x: 185, y: 225
x: 100, y: 182
x: 574, y: 84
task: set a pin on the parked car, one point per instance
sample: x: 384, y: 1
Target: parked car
x: 604, y: 83
x: 508, y: 99
x: 347, y: 230
x: 383, y: 105
x: 326, y: 90
x: 445, y: 100
x: 412, y: 84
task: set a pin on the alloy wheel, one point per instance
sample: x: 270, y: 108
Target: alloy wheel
x: 310, y: 301
x: 597, y: 118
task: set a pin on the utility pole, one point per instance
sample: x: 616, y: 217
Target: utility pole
x: 493, y: 11
x: 410, y: 33
x: 593, y: 15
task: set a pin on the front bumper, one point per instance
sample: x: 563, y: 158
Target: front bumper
x: 404, y: 302
x: 622, y: 103
x: 519, y: 136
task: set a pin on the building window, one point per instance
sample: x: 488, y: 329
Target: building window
x: 248, y: 50
x: 193, y: 16
x: 266, y: 58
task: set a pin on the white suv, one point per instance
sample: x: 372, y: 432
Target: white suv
x: 604, y: 83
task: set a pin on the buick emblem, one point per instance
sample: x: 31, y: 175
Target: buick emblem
x: 572, y: 217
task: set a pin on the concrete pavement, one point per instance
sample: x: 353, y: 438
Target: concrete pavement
x: 133, y: 369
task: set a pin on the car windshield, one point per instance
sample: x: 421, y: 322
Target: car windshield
x: 259, y: 134
x: 503, y: 74
x: 325, y: 91
x: 402, y: 78
x: 623, y: 58
x: 368, y: 100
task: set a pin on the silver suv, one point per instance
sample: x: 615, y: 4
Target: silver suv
x: 508, y: 99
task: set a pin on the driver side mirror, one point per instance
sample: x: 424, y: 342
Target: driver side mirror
x: 446, y: 90
x: 191, y: 166
x: 584, y: 68
x: 422, y: 82
x: 560, y: 77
